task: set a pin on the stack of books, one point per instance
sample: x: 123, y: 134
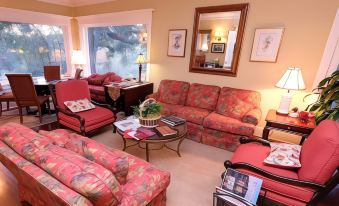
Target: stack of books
x: 173, y: 120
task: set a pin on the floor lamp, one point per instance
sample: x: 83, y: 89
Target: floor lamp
x: 140, y: 60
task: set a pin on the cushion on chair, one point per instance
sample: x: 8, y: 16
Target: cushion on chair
x: 192, y: 114
x: 169, y: 109
x: 284, y: 155
x: 79, y: 105
x: 255, y: 154
x: 114, y: 160
x: 71, y: 90
x: 320, y: 153
x: 173, y: 92
x: 236, y: 103
x: 228, y: 124
x: 203, y: 96
x: 96, y: 116
x: 59, y: 136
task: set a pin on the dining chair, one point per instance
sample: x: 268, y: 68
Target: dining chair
x: 78, y: 74
x: 25, y: 94
x: 6, y: 97
x: 52, y: 73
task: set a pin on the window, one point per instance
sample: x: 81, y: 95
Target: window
x: 27, y: 48
x: 115, y: 48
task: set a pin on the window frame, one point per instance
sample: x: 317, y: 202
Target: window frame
x: 115, y: 19
x: 31, y: 17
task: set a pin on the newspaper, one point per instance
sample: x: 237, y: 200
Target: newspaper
x: 127, y: 124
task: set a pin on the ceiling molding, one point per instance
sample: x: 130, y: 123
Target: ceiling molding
x: 74, y: 3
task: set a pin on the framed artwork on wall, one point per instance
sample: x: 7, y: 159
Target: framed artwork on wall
x: 218, y: 48
x: 176, y: 42
x: 266, y: 44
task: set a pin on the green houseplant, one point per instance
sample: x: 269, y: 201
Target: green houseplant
x: 327, y: 105
x: 148, y: 113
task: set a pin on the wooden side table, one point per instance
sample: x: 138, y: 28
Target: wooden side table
x: 287, y: 124
x: 130, y: 96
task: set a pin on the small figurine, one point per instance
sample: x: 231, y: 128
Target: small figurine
x: 294, y: 112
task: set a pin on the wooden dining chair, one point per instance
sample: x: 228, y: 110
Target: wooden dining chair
x: 52, y: 73
x: 6, y: 97
x: 25, y: 94
x: 78, y: 74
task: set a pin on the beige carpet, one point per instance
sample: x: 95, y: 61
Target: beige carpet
x: 194, y: 175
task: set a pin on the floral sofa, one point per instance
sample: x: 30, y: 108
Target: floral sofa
x: 63, y: 168
x: 215, y: 116
x: 96, y: 83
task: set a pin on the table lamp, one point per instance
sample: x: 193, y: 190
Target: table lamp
x: 140, y: 60
x: 78, y: 59
x: 291, y: 80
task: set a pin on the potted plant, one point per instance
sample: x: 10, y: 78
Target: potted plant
x: 148, y: 113
x: 327, y: 105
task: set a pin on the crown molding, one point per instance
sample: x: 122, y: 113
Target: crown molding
x: 75, y: 3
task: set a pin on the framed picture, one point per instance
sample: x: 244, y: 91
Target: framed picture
x: 176, y: 42
x: 266, y: 44
x: 218, y: 48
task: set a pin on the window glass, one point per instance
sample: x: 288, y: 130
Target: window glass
x: 115, y: 49
x: 27, y: 48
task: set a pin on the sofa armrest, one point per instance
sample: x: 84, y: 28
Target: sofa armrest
x: 154, y: 96
x: 278, y: 178
x: 252, y: 117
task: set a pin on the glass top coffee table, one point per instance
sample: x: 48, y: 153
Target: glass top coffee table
x: 157, y: 139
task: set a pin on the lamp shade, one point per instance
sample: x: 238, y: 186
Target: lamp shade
x: 292, y: 80
x: 141, y: 59
x: 78, y: 57
x: 204, y: 47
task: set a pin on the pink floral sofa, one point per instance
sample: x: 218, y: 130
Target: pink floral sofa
x: 215, y: 116
x: 63, y: 168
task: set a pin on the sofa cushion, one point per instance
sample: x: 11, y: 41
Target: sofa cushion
x: 320, y: 153
x: 111, y: 77
x: 59, y: 137
x: 227, y: 124
x: 255, y: 154
x: 144, y: 183
x: 98, y: 90
x: 112, y: 159
x: 169, y: 109
x: 203, y: 96
x: 192, y: 114
x: 97, y: 80
x: 173, y: 92
x: 236, y: 103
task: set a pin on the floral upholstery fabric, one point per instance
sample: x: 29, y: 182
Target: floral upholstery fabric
x: 59, y: 137
x: 227, y: 124
x: 236, y: 103
x: 29, y: 175
x: 113, y: 160
x: 169, y: 109
x: 194, y: 131
x: 173, y: 92
x: 144, y: 183
x: 252, y: 116
x: 223, y: 140
x: 154, y: 96
x: 203, y: 96
x: 192, y: 114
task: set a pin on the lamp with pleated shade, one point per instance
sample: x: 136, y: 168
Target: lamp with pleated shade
x: 291, y: 80
x: 140, y: 60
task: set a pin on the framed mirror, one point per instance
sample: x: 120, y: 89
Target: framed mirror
x: 217, y: 36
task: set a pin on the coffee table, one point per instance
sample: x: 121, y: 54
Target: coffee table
x: 157, y: 139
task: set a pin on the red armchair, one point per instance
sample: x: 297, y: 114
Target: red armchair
x: 318, y: 175
x: 81, y: 122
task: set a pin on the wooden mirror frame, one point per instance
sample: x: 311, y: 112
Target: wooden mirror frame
x: 243, y: 8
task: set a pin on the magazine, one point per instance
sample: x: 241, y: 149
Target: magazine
x: 127, y: 124
x: 173, y: 120
x: 138, y: 134
x: 243, y: 185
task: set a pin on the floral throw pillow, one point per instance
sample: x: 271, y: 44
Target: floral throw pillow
x: 79, y: 105
x: 284, y: 155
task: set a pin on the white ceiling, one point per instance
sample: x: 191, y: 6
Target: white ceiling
x: 75, y: 2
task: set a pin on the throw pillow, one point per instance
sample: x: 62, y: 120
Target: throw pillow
x: 79, y: 105
x: 96, y: 80
x: 284, y: 155
x: 113, y: 160
x: 59, y: 136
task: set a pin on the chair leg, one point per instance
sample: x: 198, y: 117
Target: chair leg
x: 20, y: 113
x: 49, y: 107
x: 0, y: 109
x: 40, y: 114
x: 7, y: 105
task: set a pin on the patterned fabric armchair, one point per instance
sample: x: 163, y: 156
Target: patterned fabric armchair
x: 63, y: 168
x: 215, y: 116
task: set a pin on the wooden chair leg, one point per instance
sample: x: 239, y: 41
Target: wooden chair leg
x: 7, y: 105
x: 20, y: 113
x: 40, y: 114
x: 0, y: 109
x: 48, y: 107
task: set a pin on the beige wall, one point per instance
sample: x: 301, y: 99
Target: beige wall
x: 307, y: 24
x: 37, y: 6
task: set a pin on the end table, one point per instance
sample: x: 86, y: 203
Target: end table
x: 287, y: 124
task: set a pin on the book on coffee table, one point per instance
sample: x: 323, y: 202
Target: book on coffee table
x: 173, y: 120
x: 165, y: 131
x: 138, y: 134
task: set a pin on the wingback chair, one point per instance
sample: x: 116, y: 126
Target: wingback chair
x: 81, y: 122
x: 52, y: 73
x: 318, y: 175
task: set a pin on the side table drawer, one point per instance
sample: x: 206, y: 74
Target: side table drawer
x: 290, y: 128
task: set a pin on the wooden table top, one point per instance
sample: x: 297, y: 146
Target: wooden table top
x: 272, y: 116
